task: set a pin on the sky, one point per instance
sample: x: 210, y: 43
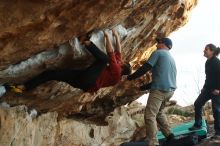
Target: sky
x: 188, y: 45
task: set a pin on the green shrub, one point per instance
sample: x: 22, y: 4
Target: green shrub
x: 180, y: 112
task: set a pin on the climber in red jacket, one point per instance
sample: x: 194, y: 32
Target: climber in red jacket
x: 106, y: 71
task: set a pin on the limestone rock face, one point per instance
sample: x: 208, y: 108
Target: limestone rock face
x: 19, y: 127
x: 30, y: 27
x: 33, y: 32
x: 37, y: 31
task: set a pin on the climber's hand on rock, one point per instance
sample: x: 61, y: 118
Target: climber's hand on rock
x: 114, y: 32
x: 83, y: 39
x: 215, y: 92
x: 124, y: 78
x: 87, y: 43
x: 106, y: 34
x: 129, y: 77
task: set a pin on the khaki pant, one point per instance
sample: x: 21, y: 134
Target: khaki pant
x: 154, y: 115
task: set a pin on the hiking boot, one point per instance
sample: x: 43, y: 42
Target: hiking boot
x: 170, y: 137
x: 215, y: 137
x: 193, y: 128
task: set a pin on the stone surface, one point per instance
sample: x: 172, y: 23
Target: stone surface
x: 49, y: 25
x: 29, y: 27
x: 17, y: 127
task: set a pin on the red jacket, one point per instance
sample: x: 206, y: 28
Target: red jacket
x: 111, y: 74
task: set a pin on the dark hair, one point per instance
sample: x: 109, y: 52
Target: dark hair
x: 126, y: 69
x: 218, y: 50
x: 213, y: 48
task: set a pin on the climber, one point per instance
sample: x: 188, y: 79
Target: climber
x: 162, y: 89
x: 106, y: 71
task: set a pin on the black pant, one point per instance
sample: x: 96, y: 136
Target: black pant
x: 83, y: 79
x: 200, y: 102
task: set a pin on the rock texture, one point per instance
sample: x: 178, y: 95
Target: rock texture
x: 22, y: 126
x: 31, y: 28
x: 18, y: 127
x: 67, y: 101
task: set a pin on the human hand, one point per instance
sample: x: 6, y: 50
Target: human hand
x: 215, y: 92
x: 114, y: 32
x: 87, y: 43
x: 106, y: 34
x: 124, y: 78
x: 144, y: 91
x: 83, y: 38
x: 129, y: 78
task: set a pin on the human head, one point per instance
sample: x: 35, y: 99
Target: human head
x: 211, y: 50
x: 126, y: 69
x: 164, y: 43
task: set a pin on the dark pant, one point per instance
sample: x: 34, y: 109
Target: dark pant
x: 138, y: 143
x: 200, y: 102
x: 83, y: 79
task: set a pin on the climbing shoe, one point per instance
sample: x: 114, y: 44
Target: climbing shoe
x: 170, y: 137
x: 15, y: 88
